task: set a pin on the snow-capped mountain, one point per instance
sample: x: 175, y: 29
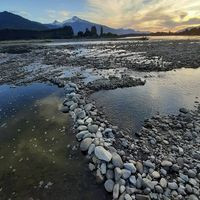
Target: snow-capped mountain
x: 12, y: 21
x: 79, y: 24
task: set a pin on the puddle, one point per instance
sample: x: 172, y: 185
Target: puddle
x: 165, y: 93
x: 38, y: 159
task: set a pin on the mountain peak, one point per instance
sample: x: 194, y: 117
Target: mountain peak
x: 73, y: 20
x: 56, y: 22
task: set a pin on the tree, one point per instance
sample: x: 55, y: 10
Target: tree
x: 101, y: 32
x: 87, y: 33
x: 94, y: 31
x: 69, y: 31
x: 80, y: 34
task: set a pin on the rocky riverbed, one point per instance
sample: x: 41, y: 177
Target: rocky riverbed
x: 162, y: 160
x: 27, y: 62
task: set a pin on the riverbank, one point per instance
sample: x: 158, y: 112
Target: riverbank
x: 25, y: 63
x: 156, y: 164
x: 161, y: 161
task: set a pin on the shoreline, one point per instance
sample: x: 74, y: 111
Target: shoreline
x: 114, y: 161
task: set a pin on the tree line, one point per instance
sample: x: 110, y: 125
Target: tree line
x: 60, y: 33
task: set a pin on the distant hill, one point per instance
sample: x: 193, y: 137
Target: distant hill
x: 189, y: 31
x: 11, y: 21
x: 79, y: 24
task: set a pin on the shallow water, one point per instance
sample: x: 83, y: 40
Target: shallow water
x: 165, y: 93
x: 38, y: 159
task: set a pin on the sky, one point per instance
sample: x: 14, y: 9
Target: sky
x: 143, y: 15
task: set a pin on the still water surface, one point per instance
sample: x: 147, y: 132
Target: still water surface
x: 165, y: 93
x: 37, y: 155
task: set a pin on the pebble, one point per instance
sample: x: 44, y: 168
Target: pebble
x: 117, y: 160
x: 132, y: 180
x: 85, y: 144
x: 155, y: 175
x: 118, y: 173
x: 163, y: 182
x: 116, y: 191
x: 102, y: 154
x: 93, y: 128
x: 109, y: 185
x: 172, y: 186
x: 166, y: 163
x: 149, y: 164
x: 126, y: 173
x: 130, y: 166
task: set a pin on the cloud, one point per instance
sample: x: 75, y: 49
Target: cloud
x: 150, y: 15
x: 58, y: 15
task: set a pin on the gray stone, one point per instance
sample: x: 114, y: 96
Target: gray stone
x: 64, y: 109
x: 93, y: 128
x: 181, y: 190
x: 191, y: 173
x: 175, y: 167
x: 192, y: 182
x: 81, y: 114
x: 155, y: 175
x: 193, y: 197
x: 109, y: 185
x: 102, y: 154
x: 91, y: 167
x: 99, y: 176
x: 163, y: 171
x: 122, y: 189
x: 147, y: 191
x: 163, y: 182
x: 73, y: 106
x: 184, y: 110
x: 148, y: 183
x: 81, y: 134
x: 139, y: 182
x: 130, y: 166
x: 172, y: 186
x: 88, y: 107
x: 184, y: 177
x: 126, y: 173
x: 127, y: 197
x: 89, y: 120
x: 158, y: 189
x: 85, y: 144
x: 149, y: 164
x: 139, y: 167
x: 118, y: 173
x: 116, y: 160
x: 91, y: 149
x: 132, y: 180
x: 166, y: 163
x: 116, y: 191
x: 103, y: 168
x: 80, y: 122
x: 188, y: 188
x: 109, y: 174
x: 130, y: 190
x: 142, y: 197
x: 82, y: 128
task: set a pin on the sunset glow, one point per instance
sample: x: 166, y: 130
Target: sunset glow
x: 144, y: 15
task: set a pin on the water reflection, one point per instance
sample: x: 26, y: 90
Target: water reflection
x: 165, y: 93
x: 38, y: 159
